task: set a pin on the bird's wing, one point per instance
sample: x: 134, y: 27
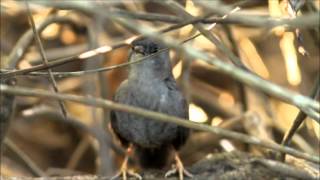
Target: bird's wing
x: 113, y: 117
x: 177, y: 104
x: 180, y: 109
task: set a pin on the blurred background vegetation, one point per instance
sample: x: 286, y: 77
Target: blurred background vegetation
x: 289, y: 58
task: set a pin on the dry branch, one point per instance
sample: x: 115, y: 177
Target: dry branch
x: 307, y: 21
x: 307, y: 106
x: 97, y: 102
x: 299, y: 119
x: 231, y: 165
x: 24, y: 42
x: 35, y: 169
x: 302, y: 102
x: 44, y: 58
x: 96, y: 131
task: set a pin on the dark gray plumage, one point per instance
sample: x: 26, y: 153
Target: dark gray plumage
x: 151, y: 86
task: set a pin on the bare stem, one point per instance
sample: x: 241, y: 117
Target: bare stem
x: 302, y: 102
x: 36, y: 170
x: 44, y: 58
x: 97, y: 102
x: 298, y: 120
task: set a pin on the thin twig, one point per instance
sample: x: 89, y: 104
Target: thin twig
x: 241, y: 87
x: 279, y: 167
x: 298, y: 120
x: 293, y: 98
x: 78, y: 153
x: 25, y: 158
x: 121, y: 44
x: 289, y: 96
x: 58, y: 62
x: 168, y: 18
x: 44, y: 58
x: 27, y: 38
x: 147, y: 16
x: 8, y: 74
x: 306, y: 21
x: 302, y: 102
x: 97, y: 102
x: 206, y: 33
x: 24, y: 42
x: 91, y: 84
x: 187, y: 22
x: 98, y: 132
x: 211, y: 37
x: 60, y: 52
x: 51, y: 64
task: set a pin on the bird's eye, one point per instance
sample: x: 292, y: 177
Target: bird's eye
x: 138, y: 49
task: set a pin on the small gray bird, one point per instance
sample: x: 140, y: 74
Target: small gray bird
x: 151, y: 86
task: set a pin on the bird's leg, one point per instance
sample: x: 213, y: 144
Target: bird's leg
x: 179, y: 168
x: 124, y: 171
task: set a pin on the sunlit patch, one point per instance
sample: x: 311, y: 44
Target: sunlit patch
x: 233, y: 11
x: 287, y: 113
x: 27, y: 112
x: 275, y: 11
x: 226, y: 99
x: 216, y: 121
x: 203, y: 43
x: 24, y: 65
x: 254, y: 59
x: 278, y: 31
x: 191, y: 8
x: 315, y: 127
x: 226, y: 145
x: 50, y: 31
x: 41, y: 15
x: 184, y: 31
x: 225, y: 16
x: 87, y: 54
x: 210, y: 155
x: 287, y: 47
x: 274, y: 8
x: 129, y: 40
x: 202, y: 63
x: 197, y: 114
x: 317, y: 4
x: 63, y: 12
x: 103, y: 49
x: 68, y: 36
x: 94, y: 52
x: 288, y: 51
x: 10, y: 7
x: 177, y: 70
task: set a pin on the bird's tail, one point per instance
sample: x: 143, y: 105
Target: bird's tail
x: 153, y: 158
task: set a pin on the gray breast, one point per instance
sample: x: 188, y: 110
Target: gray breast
x: 143, y: 131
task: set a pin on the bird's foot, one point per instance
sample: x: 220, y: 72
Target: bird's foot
x: 178, y: 168
x: 124, y: 171
x: 181, y: 172
x: 124, y: 174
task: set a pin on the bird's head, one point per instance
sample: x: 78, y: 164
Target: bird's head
x: 146, y: 46
x: 156, y: 65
